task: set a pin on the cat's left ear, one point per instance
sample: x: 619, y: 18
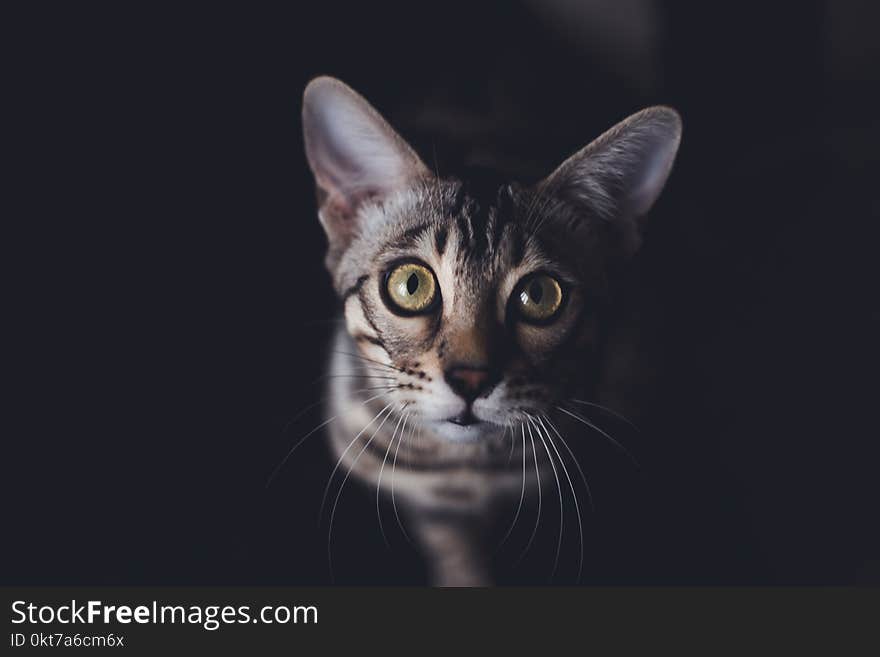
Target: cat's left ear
x: 354, y: 155
x: 620, y: 174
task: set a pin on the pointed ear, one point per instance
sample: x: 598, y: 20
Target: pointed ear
x: 621, y: 173
x: 354, y: 155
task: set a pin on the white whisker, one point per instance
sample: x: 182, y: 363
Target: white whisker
x: 342, y: 456
x: 342, y: 487
x: 610, y: 411
x: 538, y: 513
x: 379, y: 480
x: 293, y: 449
x: 558, y: 490
x: 509, y: 428
x: 595, y: 428
x: 522, y: 492
x: 393, y: 470
x: 302, y: 412
x: 574, y: 496
x: 575, y: 461
x: 369, y: 399
x: 368, y: 360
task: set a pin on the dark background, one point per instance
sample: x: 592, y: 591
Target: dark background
x: 170, y: 310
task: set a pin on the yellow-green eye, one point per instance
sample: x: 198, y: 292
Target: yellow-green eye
x: 538, y: 298
x: 411, y: 287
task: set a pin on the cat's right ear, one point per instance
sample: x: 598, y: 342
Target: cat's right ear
x: 354, y: 155
x: 619, y: 176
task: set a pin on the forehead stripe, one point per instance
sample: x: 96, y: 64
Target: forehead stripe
x: 412, y: 235
x: 440, y: 238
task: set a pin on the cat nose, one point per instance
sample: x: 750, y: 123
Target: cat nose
x: 469, y: 382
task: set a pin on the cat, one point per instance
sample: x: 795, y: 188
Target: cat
x: 473, y: 314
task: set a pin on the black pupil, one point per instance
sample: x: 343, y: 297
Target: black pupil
x: 412, y: 283
x: 536, y: 291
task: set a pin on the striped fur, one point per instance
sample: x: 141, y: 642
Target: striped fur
x: 480, y: 238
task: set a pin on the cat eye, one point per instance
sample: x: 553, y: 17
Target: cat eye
x: 538, y: 298
x: 410, y: 288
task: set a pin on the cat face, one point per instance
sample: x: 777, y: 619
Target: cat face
x: 474, y: 304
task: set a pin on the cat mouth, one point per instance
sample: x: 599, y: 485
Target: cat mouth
x: 463, y: 427
x: 465, y: 419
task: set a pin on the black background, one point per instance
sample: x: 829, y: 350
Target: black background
x: 173, y: 310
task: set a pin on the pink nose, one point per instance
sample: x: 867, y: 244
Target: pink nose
x: 468, y: 382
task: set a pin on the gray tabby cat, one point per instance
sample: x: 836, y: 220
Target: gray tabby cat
x: 472, y: 314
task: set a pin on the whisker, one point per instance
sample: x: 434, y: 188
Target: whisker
x: 379, y: 480
x: 299, y: 415
x: 371, y: 372
x: 293, y: 449
x: 575, y: 461
x: 370, y: 367
x: 302, y: 412
x: 610, y: 411
x: 369, y: 399
x: 538, y: 513
x: 369, y: 360
x: 382, y: 387
x: 522, y: 492
x: 509, y: 428
x: 574, y: 496
x: 342, y: 487
x: 342, y: 456
x: 558, y: 490
x: 355, y: 376
x: 327, y: 398
x: 595, y: 428
x: 393, y: 470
